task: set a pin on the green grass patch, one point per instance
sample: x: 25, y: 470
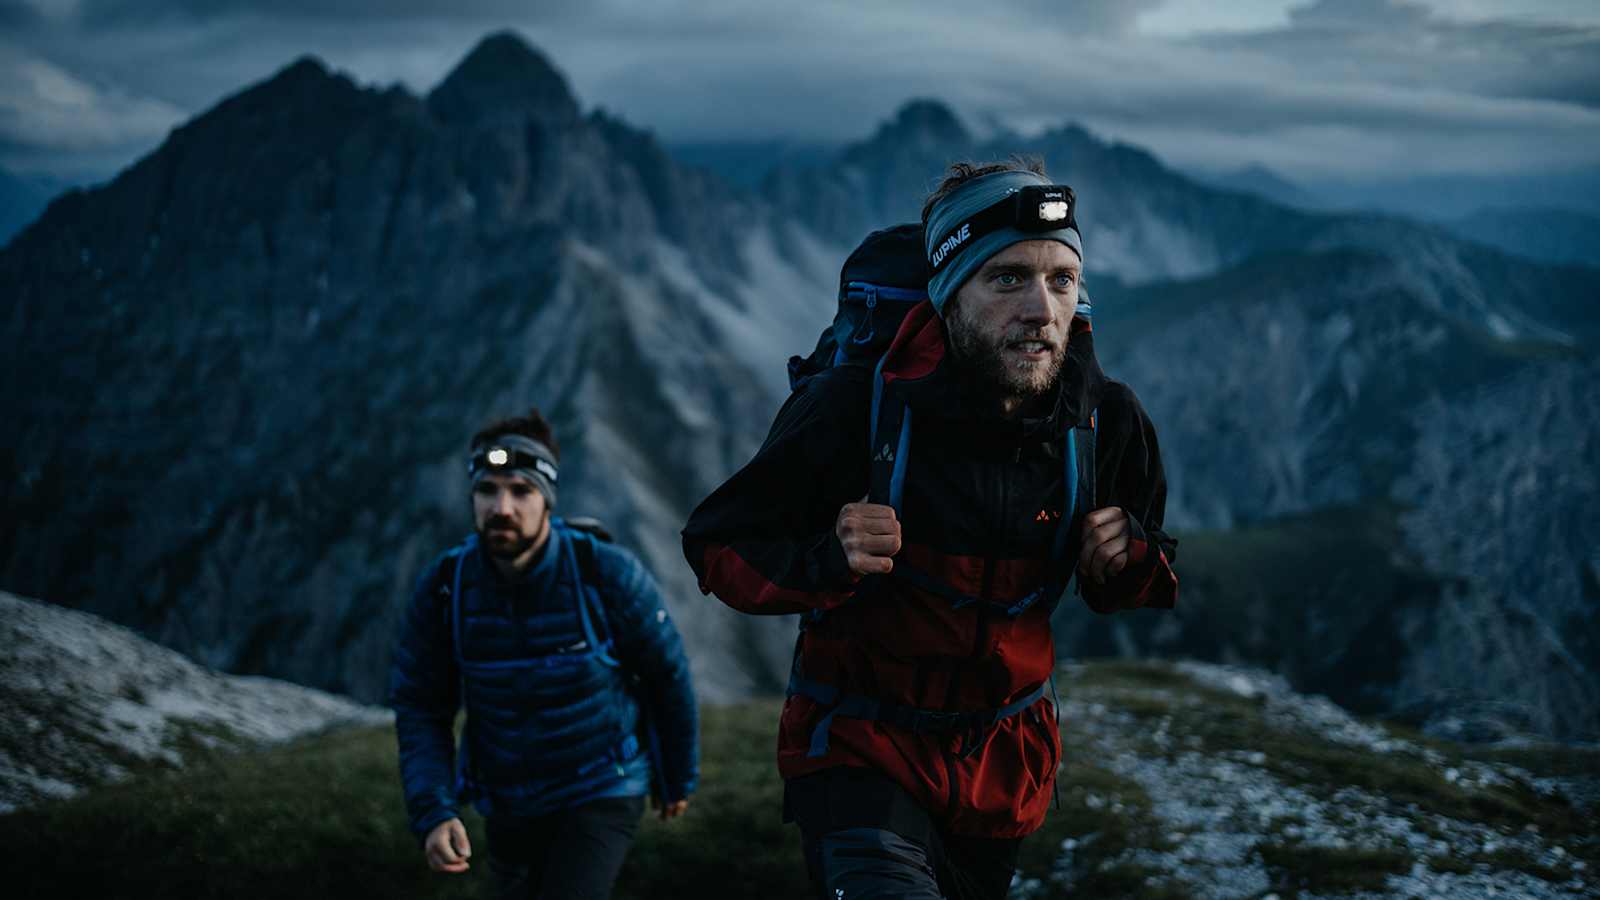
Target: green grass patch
x: 1448, y: 864
x: 1292, y: 868
x: 732, y: 841
x: 322, y: 817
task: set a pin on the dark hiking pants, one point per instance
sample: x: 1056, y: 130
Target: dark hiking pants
x: 865, y: 838
x: 573, y: 854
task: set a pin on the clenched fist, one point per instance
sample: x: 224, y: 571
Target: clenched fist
x: 1105, y: 544
x: 447, y: 848
x: 870, y: 534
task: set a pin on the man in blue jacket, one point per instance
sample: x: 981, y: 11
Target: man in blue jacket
x: 572, y: 675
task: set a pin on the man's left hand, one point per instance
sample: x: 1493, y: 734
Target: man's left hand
x: 670, y: 810
x: 1105, y: 544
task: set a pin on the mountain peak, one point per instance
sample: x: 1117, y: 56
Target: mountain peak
x: 919, y: 126
x: 502, y: 75
x: 307, y: 75
x: 928, y: 117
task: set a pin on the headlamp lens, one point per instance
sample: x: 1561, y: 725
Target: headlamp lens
x: 1053, y: 211
x: 498, y: 456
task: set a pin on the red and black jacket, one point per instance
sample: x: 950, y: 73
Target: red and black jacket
x: 982, y: 499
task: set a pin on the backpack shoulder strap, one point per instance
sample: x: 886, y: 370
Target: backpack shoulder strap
x: 583, y: 538
x: 454, y: 563
x: 1086, y: 498
x: 583, y: 547
x: 890, y: 428
x: 1087, y: 434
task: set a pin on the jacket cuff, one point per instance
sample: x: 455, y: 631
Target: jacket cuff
x: 424, y: 825
x: 1138, y: 543
x: 680, y: 791
x: 831, y: 566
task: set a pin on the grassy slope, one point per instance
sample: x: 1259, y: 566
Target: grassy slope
x: 323, y: 817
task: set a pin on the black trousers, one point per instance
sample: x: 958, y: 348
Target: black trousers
x: 865, y: 838
x: 573, y: 854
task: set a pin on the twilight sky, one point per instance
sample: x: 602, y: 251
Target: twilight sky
x: 1352, y: 90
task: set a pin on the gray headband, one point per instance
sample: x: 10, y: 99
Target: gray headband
x: 967, y: 201
x: 516, y: 454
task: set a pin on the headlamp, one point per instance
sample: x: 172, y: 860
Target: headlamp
x: 501, y: 458
x: 1031, y: 209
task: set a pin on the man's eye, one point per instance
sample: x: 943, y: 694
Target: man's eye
x: 484, y: 490
x: 1066, y: 279
x: 521, y: 491
x: 1007, y: 279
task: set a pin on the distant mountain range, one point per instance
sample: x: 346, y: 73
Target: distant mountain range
x: 1562, y: 236
x: 1265, y: 183
x: 239, y: 424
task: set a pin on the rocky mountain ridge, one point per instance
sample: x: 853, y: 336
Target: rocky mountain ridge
x: 256, y: 410
x: 85, y: 703
x: 241, y: 374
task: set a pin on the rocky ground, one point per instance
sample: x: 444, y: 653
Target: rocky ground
x: 84, y: 702
x: 1242, y: 788
x: 1180, y: 780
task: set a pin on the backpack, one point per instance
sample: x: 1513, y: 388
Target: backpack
x: 881, y: 282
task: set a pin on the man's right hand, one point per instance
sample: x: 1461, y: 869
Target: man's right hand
x: 870, y: 534
x: 447, y: 847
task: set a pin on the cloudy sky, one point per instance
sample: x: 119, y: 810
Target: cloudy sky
x: 1315, y: 89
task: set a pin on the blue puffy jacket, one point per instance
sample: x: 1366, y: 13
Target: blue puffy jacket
x: 574, y: 678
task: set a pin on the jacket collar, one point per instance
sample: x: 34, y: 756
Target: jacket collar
x: 918, y: 361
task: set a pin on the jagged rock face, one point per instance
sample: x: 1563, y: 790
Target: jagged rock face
x: 1502, y: 491
x: 1294, y: 385
x: 242, y: 376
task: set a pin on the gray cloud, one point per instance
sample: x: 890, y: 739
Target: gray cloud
x: 1359, y: 15
x: 1342, y: 89
x: 1396, y: 43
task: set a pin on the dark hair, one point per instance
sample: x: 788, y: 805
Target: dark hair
x: 531, y: 425
x: 962, y: 172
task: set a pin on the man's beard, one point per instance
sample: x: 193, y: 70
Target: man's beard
x: 982, y: 360
x: 498, y: 546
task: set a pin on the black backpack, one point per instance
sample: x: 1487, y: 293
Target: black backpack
x: 882, y: 280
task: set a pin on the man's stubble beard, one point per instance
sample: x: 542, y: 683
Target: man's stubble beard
x: 982, y: 363
x: 508, y: 550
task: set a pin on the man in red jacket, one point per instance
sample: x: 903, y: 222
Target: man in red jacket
x: 917, y: 744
